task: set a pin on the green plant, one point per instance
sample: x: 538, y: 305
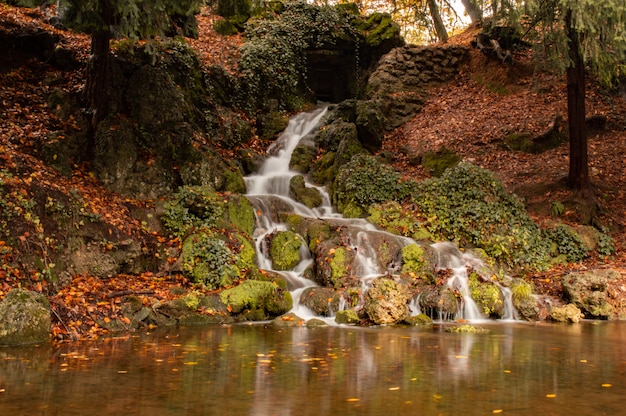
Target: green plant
x: 273, y: 62
x: 606, y: 245
x: 208, y: 261
x: 521, y: 291
x: 469, y: 205
x: 364, y: 181
x: 557, y: 209
x: 567, y: 243
x: 192, y: 207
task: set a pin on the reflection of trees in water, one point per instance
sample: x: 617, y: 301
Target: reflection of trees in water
x: 261, y: 370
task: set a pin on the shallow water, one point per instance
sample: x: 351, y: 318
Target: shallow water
x: 522, y: 369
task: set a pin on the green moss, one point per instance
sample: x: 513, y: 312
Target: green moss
x: 338, y: 266
x: 399, y: 220
x: 285, y: 250
x: 233, y: 181
x: 413, y: 259
x: 437, y: 162
x: 323, y: 170
x: 466, y: 329
x: 266, y: 298
x: 380, y: 27
x: 240, y: 213
x: 311, y: 197
x: 346, y: 317
x: 419, y: 320
x: 487, y: 296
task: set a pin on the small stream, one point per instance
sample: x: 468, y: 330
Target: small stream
x: 271, y: 183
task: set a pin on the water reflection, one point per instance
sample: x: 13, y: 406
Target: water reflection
x: 518, y: 369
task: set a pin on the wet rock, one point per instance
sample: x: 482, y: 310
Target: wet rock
x: 346, y: 317
x: 24, y: 318
x: 285, y: 250
x: 438, y: 301
x: 316, y: 323
x: 323, y: 301
x: 566, y: 313
x: 419, y: 320
x: 256, y: 300
x: 311, y: 197
x: 287, y: 321
x: 387, y: 302
x: 589, y: 292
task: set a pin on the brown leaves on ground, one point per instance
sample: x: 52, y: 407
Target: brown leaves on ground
x: 489, y: 101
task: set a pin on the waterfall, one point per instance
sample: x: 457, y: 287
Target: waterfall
x: 270, y: 186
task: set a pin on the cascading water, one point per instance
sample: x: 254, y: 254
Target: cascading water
x: 271, y: 186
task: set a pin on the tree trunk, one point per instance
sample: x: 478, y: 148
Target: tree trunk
x: 97, y: 85
x: 578, y: 177
x: 440, y: 28
x: 472, y: 9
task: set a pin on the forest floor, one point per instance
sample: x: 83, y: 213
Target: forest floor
x: 489, y: 101
x: 470, y: 116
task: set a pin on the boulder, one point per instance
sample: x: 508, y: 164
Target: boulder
x: 566, y: 313
x: 257, y: 300
x: 24, y: 318
x: 387, y: 302
x: 348, y: 316
x: 285, y: 250
x: 589, y: 292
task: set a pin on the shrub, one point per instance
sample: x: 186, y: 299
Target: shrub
x: 467, y: 204
x: 273, y: 61
x: 567, y: 243
x: 364, y: 181
x: 208, y: 261
x: 192, y: 207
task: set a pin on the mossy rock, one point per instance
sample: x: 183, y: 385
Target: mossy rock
x: 288, y: 321
x: 437, y: 162
x: 333, y: 263
x: 413, y: 259
x: 399, y: 220
x: 589, y: 292
x: 257, y: 299
x: 329, y: 137
x: 314, y: 230
x: 271, y: 125
x: 322, y: 301
x: 419, y: 320
x: 487, y: 296
x: 24, y: 318
x: 380, y: 28
x: 387, y: 302
x: 240, y: 213
x: 285, y: 250
x: 311, y: 197
x: 569, y: 313
x: 303, y: 156
x: 438, y: 301
x: 323, y: 170
x: 347, y: 317
x: 316, y: 323
x: 466, y: 329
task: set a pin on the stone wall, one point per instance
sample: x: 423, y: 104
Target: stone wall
x: 402, y: 76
